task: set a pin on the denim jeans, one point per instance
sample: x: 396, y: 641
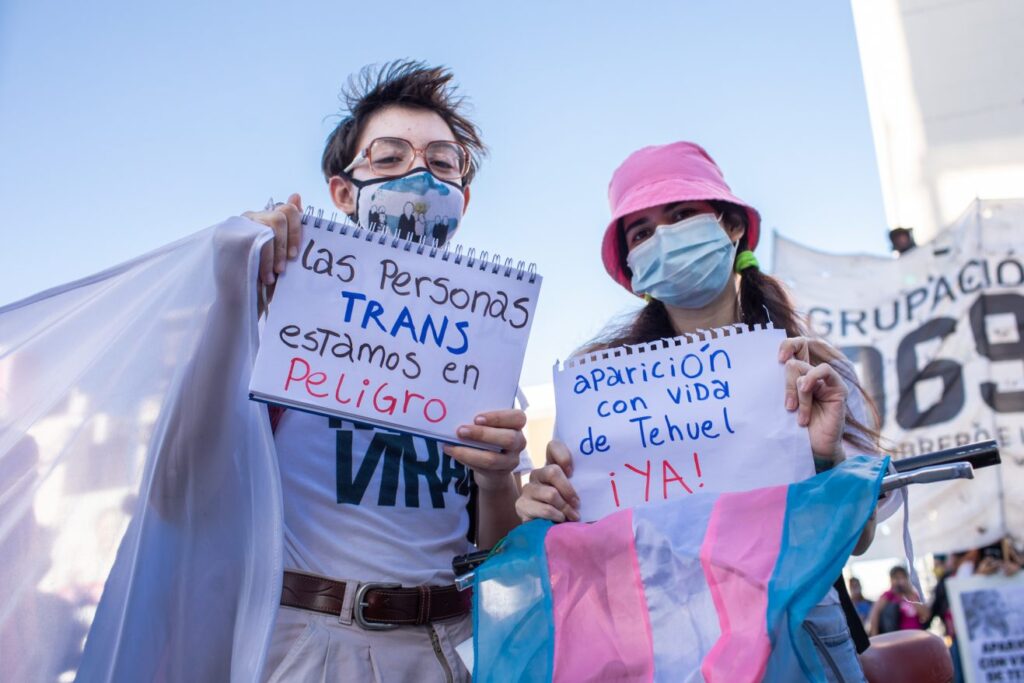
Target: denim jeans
x: 826, y: 626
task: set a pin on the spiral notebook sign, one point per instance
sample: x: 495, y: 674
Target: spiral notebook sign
x: 400, y: 334
x: 678, y: 417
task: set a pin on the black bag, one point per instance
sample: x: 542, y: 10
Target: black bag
x: 857, y: 632
x: 889, y: 618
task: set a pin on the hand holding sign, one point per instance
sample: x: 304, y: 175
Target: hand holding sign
x: 286, y: 222
x: 502, y: 429
x: 680, y: 416
x: 549, y: 494
x: 820, y: 403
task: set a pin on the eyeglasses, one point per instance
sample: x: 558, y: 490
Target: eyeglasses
x: 394, y: 156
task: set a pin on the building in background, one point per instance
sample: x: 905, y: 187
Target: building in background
x: 945, y: 90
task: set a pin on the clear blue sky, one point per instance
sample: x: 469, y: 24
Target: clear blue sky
x: 124, y: 125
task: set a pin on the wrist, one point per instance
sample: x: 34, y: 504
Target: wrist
x: 493, y: 481
x: 826, y: 460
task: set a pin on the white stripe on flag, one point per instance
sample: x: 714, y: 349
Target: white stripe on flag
x: 684, y: 621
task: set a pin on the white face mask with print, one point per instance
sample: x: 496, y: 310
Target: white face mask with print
x: 416, y: 206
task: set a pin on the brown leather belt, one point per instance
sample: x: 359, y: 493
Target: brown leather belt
x: 377, y: 606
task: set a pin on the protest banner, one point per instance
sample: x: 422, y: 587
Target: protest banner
x: 679, y: 416
x: 937, y: 337
x: 988, y: 616
x: 390, y: 332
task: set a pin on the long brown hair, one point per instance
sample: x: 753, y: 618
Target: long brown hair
x: 763, y: 299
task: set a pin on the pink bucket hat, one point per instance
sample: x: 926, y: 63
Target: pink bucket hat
x: 677, y: 172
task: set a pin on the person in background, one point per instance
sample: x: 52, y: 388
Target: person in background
x: 999, y: 557
x: 941, y: 608
x: 899, y: 608
x: 860, y: 603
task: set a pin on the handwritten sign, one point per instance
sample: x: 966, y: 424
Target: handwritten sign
x: 988, y: 615
x: 385, y: 331
x: 678, y: 417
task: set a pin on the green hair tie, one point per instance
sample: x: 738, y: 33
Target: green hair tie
x: 745, y: 260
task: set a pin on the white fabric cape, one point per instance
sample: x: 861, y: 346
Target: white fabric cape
x: 139, y: 495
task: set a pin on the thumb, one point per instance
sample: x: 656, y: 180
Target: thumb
x: 295, y: 200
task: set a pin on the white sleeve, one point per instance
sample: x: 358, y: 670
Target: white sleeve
x: 525, y: 463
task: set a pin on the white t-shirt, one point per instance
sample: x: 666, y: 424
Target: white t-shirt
x: 368, y: 504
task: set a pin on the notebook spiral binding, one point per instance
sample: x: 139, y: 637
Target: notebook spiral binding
x: 485, y: 261
x: 664, y: 343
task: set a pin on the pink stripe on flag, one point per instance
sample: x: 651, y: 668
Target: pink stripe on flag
x: 602, y: 629
x: 739, y: 554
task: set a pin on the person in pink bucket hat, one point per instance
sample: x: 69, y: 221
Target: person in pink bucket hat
x: 668, y: 175
x: 680, y: 238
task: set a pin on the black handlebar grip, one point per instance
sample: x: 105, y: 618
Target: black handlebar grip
x: 981, y: 454
x: 464, y: 564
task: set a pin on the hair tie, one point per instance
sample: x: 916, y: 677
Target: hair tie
x: 648, y: 298
x: 745, y: 260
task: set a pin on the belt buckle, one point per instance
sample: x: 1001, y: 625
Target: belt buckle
x: 361, y: 603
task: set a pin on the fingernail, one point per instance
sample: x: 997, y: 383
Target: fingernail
x: 462, y: 431
x: 573, y: 516
x: 280, y: 266
x: 269, y: 279
x: 480, y: 420
x: 293, y: 252
x: 790, y: 403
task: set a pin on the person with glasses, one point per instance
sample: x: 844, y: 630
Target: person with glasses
x: 368, y: 589
x: 393, y: 157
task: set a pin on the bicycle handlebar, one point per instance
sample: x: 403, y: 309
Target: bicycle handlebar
x: 978, y: 455
x: 927, y: 475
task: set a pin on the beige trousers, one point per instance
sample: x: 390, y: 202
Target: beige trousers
x: 308, y: 646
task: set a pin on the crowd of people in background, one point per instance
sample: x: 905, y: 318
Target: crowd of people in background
x: 901, y: 608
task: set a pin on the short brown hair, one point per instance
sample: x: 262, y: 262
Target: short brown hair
x: 404, y: 83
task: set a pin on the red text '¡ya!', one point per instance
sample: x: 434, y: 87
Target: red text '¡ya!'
x: 669, y: 475
x: 380, y: 400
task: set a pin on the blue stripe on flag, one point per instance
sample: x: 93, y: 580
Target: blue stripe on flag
x: 513, y: 626
x: 824, y: 519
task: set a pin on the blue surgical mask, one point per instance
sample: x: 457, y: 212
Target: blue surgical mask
x: 686, y: 264
x: 416, y: 206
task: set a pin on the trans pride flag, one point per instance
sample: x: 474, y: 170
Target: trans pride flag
x: 709, y: 588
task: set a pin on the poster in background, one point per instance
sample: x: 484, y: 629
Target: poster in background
x: 937, y: 337
x: 660, y: 421
x: 988, y: 616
